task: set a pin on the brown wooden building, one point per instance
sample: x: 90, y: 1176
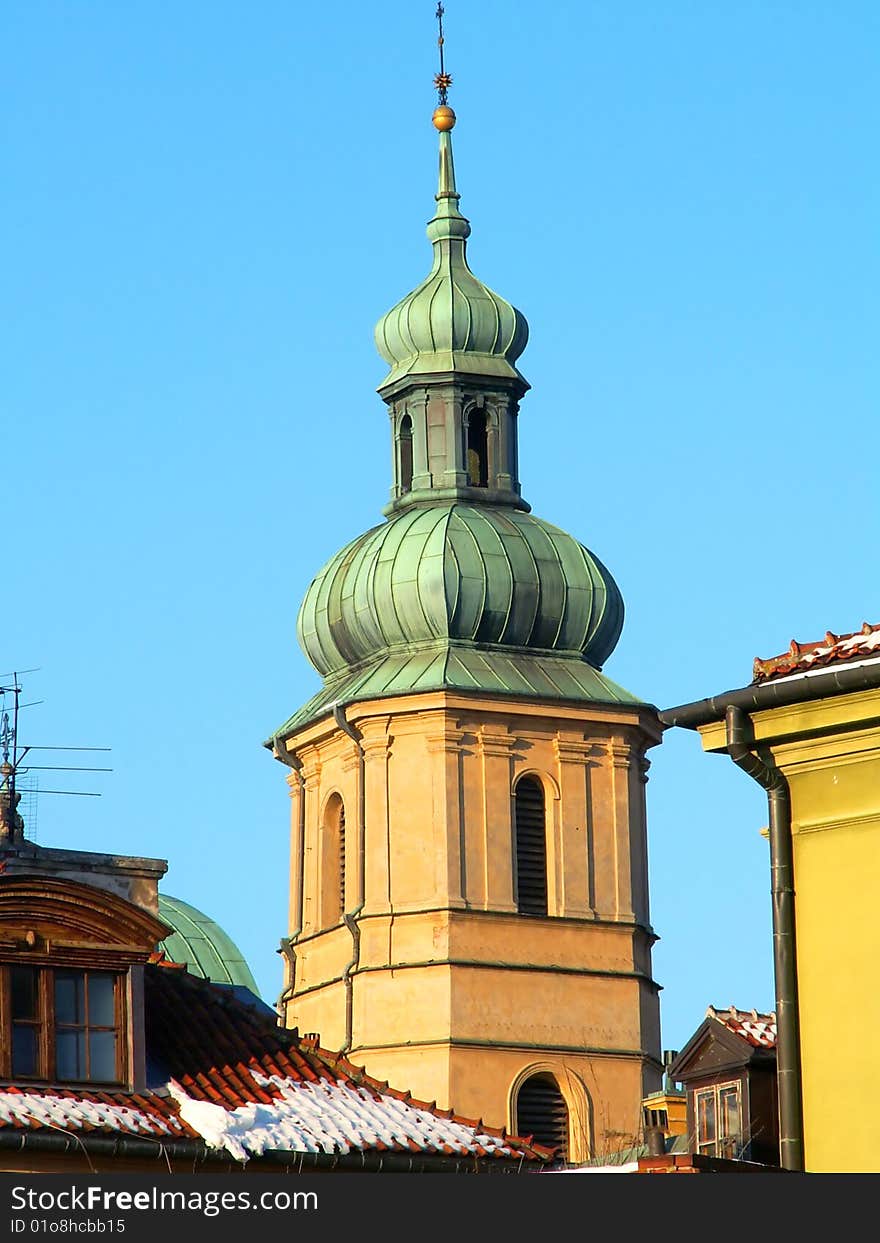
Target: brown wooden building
x: 728, y: 1069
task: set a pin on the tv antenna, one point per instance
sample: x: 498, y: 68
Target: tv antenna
x: 12, y: 756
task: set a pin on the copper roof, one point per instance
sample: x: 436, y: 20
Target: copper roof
x: 757, y: 1029
x: 834, y: 649
x: 221, y: 1070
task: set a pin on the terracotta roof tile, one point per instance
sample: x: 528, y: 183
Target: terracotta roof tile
x: 758, y: 1029
x: 834, y: 649
x: 225, y: 1072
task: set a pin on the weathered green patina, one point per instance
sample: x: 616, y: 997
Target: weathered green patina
x: 202, y: 945
x: 451, y: 322
x: 478, y: 574
x: 461, y: 589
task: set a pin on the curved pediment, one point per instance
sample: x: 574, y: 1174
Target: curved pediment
x: 44, y: 911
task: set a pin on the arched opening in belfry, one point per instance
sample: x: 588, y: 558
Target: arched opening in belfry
x: 531, y: 847
x: 477, y: 450
x: 333, y: 862
x: 541, y: 1112
x: 405, y: 453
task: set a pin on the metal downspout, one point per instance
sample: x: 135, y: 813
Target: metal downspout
x: 349, y: 918
x: 740, y: 748
x: 286, y: 948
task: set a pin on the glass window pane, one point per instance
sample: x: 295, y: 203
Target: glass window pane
x: 705, y: 1117
x: 102, y: 1011
x: 70, y: 1054
x: 24, y: 993
x: 102, y: 1056
x: 24, y: 1050
x: 730, y: 1120
x: 69, y: 997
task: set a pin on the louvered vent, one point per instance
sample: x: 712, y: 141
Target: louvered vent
x: 542, y: 1113
x: 531, y: 848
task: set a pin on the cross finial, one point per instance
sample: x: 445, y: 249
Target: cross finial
x: 442, y: 80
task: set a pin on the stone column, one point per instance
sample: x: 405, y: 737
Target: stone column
x: 444, y: 749
x: 376, y: 743
x: 621, y: 757
x: 575, y: 758
x: 505, y: 477
x: 296, y: 789
x: 311, y: 792
x: 495, y: 746
x: 455, y: 475
x: 418, y: 412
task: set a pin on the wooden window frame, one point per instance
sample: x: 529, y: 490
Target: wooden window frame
x: 719, y: 1145
x: 45, y: 1022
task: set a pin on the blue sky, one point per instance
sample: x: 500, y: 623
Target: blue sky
x: 206, y: 209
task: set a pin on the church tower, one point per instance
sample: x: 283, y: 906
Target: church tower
x: 469, y: 885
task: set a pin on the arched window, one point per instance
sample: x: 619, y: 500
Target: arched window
x: 405, y: 453
x: 531, y: 847
x: 477, y: 450
x: 333, y: 862
x: 541, y: 1112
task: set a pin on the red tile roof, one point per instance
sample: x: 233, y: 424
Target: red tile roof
x: 224, y: 1071
x: 834, y: 649
x: 758, y: 1029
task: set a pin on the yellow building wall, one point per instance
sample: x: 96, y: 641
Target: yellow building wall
x: 830, y: 752
x: 454, y: 995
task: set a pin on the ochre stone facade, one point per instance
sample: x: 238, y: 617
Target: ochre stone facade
x: 437, y: 983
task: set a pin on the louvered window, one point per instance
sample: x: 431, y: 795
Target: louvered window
x: 542, y: 1113
x: 531, y: 848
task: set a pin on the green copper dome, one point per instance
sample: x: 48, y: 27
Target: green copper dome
x: 462, y: 589
x: 202, y: 945
x: 467, y: 573
x: 451, y: 322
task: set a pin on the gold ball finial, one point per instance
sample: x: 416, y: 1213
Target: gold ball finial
x: 443, y: 118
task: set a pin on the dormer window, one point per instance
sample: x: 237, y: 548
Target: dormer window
x: 62, y: 1025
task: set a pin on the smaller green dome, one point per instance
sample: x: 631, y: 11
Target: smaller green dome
x: 202, y: 945
x: 452, y: 322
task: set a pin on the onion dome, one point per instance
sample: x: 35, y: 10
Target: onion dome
x: 451, y: 322
x: 460, y: 574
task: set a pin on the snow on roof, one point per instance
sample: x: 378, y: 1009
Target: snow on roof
x: 329, y: 1117
x: 225, y: 1073
x: 758, y: 1029
x: 834, y: 649
x: 75, y: 1111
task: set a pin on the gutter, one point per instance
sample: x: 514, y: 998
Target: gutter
x: 71, y: 1143
x: 740, y: 744
x: 107, y: 1145
x: 286, y: 948
x: 349, y: 918
x: 756, y: 698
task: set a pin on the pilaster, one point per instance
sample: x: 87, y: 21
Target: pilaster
x: 574, y: 760
x: 495, y: 748
x: 444, y: 745
x: 621, y: 757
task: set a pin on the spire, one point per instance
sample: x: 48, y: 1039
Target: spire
x: 451, y: 322
x: 452, y: 344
